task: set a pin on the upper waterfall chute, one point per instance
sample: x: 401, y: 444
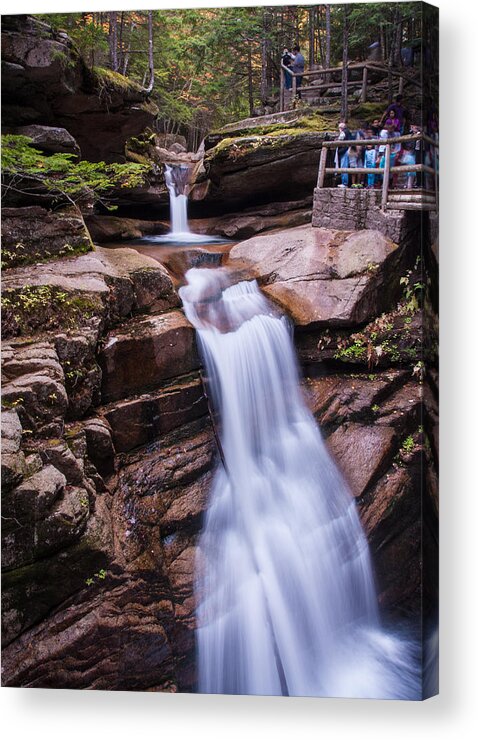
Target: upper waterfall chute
x: 177, y: 178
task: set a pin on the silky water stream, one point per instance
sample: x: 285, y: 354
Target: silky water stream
x: 286, y: 602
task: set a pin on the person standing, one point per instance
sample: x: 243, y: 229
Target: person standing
x: 400, y: 112
x: 370, y: 161
x: 418, y: 155
x: 341, y: 153
x: 286, y: 60
x: 298, y: 67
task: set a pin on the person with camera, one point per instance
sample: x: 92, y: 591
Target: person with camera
x: 286, y: 60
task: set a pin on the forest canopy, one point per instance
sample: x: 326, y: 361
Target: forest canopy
x: 214, y: 65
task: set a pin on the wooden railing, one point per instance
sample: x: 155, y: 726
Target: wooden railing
x: 327, y: 81
x: 385, y: 171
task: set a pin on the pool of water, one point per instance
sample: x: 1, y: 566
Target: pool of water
x: 179, y: 255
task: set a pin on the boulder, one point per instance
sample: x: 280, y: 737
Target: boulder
x: 50, y: 139
x: 165, y: 141
x: 177, y: 148
x: 42, y: 515
x: 322, y: 277
x: 153, y: 288
x: 84, y: 292
x: 77, y: 356
x: 99, y: 445
x: 32, y: 234
x: 140, y: 355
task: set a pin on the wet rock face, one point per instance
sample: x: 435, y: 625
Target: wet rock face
x: 322, y: 277
x: 373, y: 428
x: 166, y: 346
x: 46, y: 83
x: 258, y: 169
x: 105, y: 229
x: 138, y: 420
x: 70, y: 581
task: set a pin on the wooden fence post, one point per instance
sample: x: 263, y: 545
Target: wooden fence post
x: 363, y: 97
x: 322, y: 163
x: 282, y: 95
x: 386, y: 177
x: 294, y: 88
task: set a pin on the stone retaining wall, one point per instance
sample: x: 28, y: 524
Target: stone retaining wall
x: 355, y: 209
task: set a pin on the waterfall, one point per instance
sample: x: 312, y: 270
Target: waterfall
x: 286, y: 602
x: 176, y: 177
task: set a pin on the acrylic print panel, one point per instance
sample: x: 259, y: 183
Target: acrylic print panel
x: 219, y: 424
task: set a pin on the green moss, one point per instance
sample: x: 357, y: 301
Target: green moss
x: 20, y: 257
x: 114, y: 80
x: 366, y: 112
x: 43, y: 308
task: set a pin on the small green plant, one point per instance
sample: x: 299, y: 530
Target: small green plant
x: 62, y: 175
x: 100, y: 576
x: 412, y: 293
x: 375, y: 408
x: 408, y: 444
x: 355, y: 351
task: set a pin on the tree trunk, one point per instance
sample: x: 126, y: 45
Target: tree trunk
x: 312, y: 17
x: 327, y: 37
x: 120, y: 41
x: 250, y: 84
x: 149, y: 89
x: 113, y: 40
x: 264, y: 55
x: 126, y: 54
x: 392, y: 56
x: 383, y: 43
x: 320, y: 58
x: 345, y: 60
x: 398, y: 39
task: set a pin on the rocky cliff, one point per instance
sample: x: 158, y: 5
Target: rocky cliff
x: 45, y: 81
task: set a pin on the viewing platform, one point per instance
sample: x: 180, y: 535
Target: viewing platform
x: 393, y: 211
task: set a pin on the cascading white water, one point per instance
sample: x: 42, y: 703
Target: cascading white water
x: 286, y: 602
x: 176, y: 178
x: 178, y: 201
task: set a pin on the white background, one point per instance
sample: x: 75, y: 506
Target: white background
x: 82, y: 714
